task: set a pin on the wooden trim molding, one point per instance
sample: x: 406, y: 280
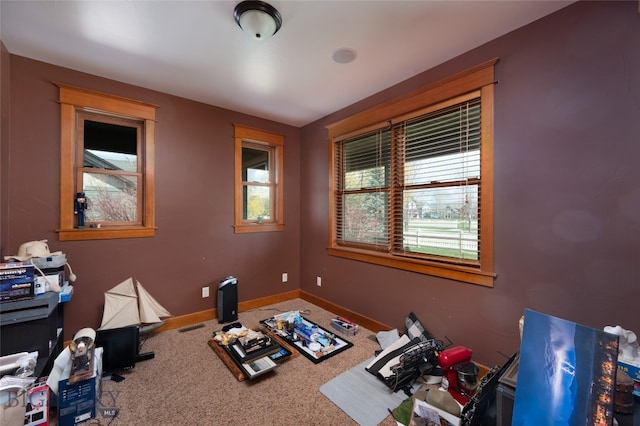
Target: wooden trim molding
x: 187, y: 320
x: 211, y: 314
x: 364, y: 321
x: 72, y: 100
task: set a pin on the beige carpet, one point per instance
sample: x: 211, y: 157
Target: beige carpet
x: 187, y: 384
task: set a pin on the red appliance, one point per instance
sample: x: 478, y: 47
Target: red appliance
x: 459, y: 374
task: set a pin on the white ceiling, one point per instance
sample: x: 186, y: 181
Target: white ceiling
x: 194, y: 49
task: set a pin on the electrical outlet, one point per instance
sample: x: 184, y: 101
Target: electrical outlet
x: 205, y: 292
x: 319, y: 281
x: 285, y: 277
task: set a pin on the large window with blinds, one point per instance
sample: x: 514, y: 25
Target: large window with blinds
x: 414, y: 191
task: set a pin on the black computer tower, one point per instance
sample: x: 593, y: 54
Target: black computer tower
x: 228, y: 300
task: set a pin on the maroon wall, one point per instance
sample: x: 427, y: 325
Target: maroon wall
x: 567, y: 193
x: 194, y: 244
x: 567, y: 189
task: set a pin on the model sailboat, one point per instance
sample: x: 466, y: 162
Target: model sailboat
x: 126, y: 305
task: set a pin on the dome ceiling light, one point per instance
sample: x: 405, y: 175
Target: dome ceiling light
x: 258, y: 19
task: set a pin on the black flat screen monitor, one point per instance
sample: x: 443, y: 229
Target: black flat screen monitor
x: 120, y: 348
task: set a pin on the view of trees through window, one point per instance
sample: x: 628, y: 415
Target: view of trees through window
x: 434, y: 207
x: 110, y: 198
x: 259, y: 180
x: 257, y: 184
x: 366, y: 213
x: 110, y: 176
x: 439, y: 221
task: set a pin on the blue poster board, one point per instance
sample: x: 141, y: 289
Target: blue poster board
x: 566, y: 374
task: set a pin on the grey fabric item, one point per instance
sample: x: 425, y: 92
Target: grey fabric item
x: 444, y: 401
x: 387, y: 338
x: 365, y: 398
x: 414, y: 328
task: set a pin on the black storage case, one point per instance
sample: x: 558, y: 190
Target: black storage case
x: 228, y: 300
x: 506, y: 393
x: 505, y: 398
x: 32, y: 325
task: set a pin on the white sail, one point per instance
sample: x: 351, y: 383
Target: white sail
x: 123, y: 306
x: 150, y: 310
x: 120, y: 306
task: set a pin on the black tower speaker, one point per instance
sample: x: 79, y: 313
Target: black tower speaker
x: 228, y: 300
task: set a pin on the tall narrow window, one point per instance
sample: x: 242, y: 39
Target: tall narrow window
x: 364, y: 176
x: 259, y: 186
x: 413, y: 188
x: 111, y: 173
x: 438, y: 203
x: 107, y: 166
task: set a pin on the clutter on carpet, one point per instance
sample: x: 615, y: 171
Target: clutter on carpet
x: 311, y: 340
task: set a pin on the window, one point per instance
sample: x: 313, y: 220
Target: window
x: 258, y: 181
x: 412, y: 183
x: 107, y: 154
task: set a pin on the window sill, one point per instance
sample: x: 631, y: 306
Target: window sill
x: 258, y: 227
x: 452, y: 272
x: 78, y: 234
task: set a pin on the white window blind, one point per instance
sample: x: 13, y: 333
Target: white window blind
x: 364, y: 176
x: 437, y: 204
x: 413, y: 189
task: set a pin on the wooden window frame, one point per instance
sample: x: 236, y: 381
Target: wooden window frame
x: 273, y: 143
x: 479, y: 78
x: 74, y: 100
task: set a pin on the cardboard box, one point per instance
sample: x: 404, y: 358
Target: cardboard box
x: 65, y: 293
x: 16, y: 281
x: 54, y: 276
x: 422, y: 411
x: 77, y: 401
x: 632, y: 369
x: 12, y: 407
x: 37, y: 408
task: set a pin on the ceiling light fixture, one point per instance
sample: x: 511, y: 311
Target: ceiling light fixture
x: 258, y: 19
